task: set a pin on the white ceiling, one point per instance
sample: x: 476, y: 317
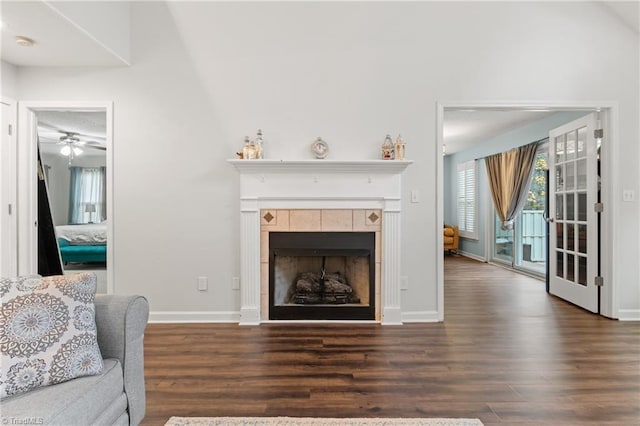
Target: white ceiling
x: 464, y: 128
x: 89, y: 126
x: 92, y: 124
x: 61, y: 42
x: 627, y: 11
x: 58, y: 40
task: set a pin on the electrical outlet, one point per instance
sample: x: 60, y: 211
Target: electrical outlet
x: 628, y: 195
x: 235, y: 283
x: 203, y: 283
x: 404, y: 282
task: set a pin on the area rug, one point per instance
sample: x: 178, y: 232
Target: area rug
x: 308, y: 421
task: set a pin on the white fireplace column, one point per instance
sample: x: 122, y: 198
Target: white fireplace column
x: 249, y: 273
x: 319, y: 184
x: 391, y: 312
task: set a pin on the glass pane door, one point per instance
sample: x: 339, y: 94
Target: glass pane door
x: 531, y: 238
x: 573, y: 241
x: 502, y: 241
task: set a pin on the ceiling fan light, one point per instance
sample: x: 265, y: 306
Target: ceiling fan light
x: 66, y: 150
x: 77, y: 151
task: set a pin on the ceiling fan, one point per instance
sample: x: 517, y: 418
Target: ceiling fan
x: 71, y: 144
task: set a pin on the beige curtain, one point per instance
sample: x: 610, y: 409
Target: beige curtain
x: 509, y: 175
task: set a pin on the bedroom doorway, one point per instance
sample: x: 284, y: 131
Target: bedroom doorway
x: 66, y: 162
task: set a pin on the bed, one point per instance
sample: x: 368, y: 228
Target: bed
x: 86, y: 243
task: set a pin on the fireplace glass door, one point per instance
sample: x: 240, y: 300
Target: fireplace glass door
x: 322, y: 275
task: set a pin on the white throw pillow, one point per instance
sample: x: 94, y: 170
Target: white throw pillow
x: 47, y: 331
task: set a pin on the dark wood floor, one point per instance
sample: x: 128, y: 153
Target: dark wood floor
x: 507, y: 353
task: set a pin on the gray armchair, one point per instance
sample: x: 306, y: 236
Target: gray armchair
x: 114, y: 397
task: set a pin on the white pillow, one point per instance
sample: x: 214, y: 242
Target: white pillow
x: 47, y: 331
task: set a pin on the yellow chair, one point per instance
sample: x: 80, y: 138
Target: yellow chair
x: 451, y: 238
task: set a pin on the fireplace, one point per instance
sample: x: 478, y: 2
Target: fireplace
x: 322, y: 275
x: 320, y: 196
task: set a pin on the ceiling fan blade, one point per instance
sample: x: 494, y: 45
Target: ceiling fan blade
x: 49, y: 129
x: 45, y: 127
x: 49, y: 140
x: 50, y: 134
x: 92, y: 138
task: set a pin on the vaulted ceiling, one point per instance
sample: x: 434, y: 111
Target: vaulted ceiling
x: 84, y: 37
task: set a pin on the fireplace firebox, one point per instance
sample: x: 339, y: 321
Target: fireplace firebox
x: 322, y: 275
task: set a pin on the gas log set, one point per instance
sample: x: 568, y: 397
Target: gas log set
x: 321, y: 288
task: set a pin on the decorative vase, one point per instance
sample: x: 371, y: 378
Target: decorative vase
x: 399, y: 148
x: 387, y: 148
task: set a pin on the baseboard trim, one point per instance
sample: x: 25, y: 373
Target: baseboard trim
x: 391, y: 316
x: 629, y: 314
x: 234, y: 317
x: 472, y: 256
x: 177, y: 317
x: 420, y: 316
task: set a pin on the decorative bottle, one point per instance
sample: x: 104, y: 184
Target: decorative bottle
x: 259, y: 145
x: 246, y: 148
x: 399, y: 148
x: 387, y: 148
x: 253, y: 150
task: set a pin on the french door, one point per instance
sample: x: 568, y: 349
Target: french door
x: 573, y: 236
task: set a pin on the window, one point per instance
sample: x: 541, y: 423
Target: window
x: 467, y: 200
x: 87, y: 195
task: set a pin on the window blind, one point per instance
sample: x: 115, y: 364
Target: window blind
x: 467, y: 200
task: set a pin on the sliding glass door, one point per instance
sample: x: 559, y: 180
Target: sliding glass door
x: 524, y: 247
x: 502, y: 242
x: 531, y: 236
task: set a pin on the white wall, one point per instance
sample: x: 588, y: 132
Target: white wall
x: 8, y: 74
x: 205, y: 74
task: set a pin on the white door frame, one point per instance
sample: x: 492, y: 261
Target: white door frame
x: 610, y: 151
x: 28, y: 185
x: 8, y: 221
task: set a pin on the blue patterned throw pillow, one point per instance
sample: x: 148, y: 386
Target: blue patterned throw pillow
x: 47, y: 331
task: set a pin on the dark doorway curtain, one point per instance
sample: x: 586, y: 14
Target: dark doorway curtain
x: 509, y: 175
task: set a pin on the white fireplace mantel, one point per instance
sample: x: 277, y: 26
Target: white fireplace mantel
x: 321, y: 166
x: 319, y: 184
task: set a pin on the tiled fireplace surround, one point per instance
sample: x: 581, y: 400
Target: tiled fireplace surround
x: 303, y: 220
x: 318, y: 196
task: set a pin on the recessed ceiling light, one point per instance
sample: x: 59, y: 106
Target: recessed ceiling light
x: 24, y: 41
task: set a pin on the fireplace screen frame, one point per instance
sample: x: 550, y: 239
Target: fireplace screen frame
x: 360, y: 244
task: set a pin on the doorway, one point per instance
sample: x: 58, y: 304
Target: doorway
x: 514, y: 248
x: 69, y: 145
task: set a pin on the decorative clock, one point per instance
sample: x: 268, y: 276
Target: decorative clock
x: 320, y: 148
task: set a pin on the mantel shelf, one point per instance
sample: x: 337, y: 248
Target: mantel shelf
x: 320, y: 166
